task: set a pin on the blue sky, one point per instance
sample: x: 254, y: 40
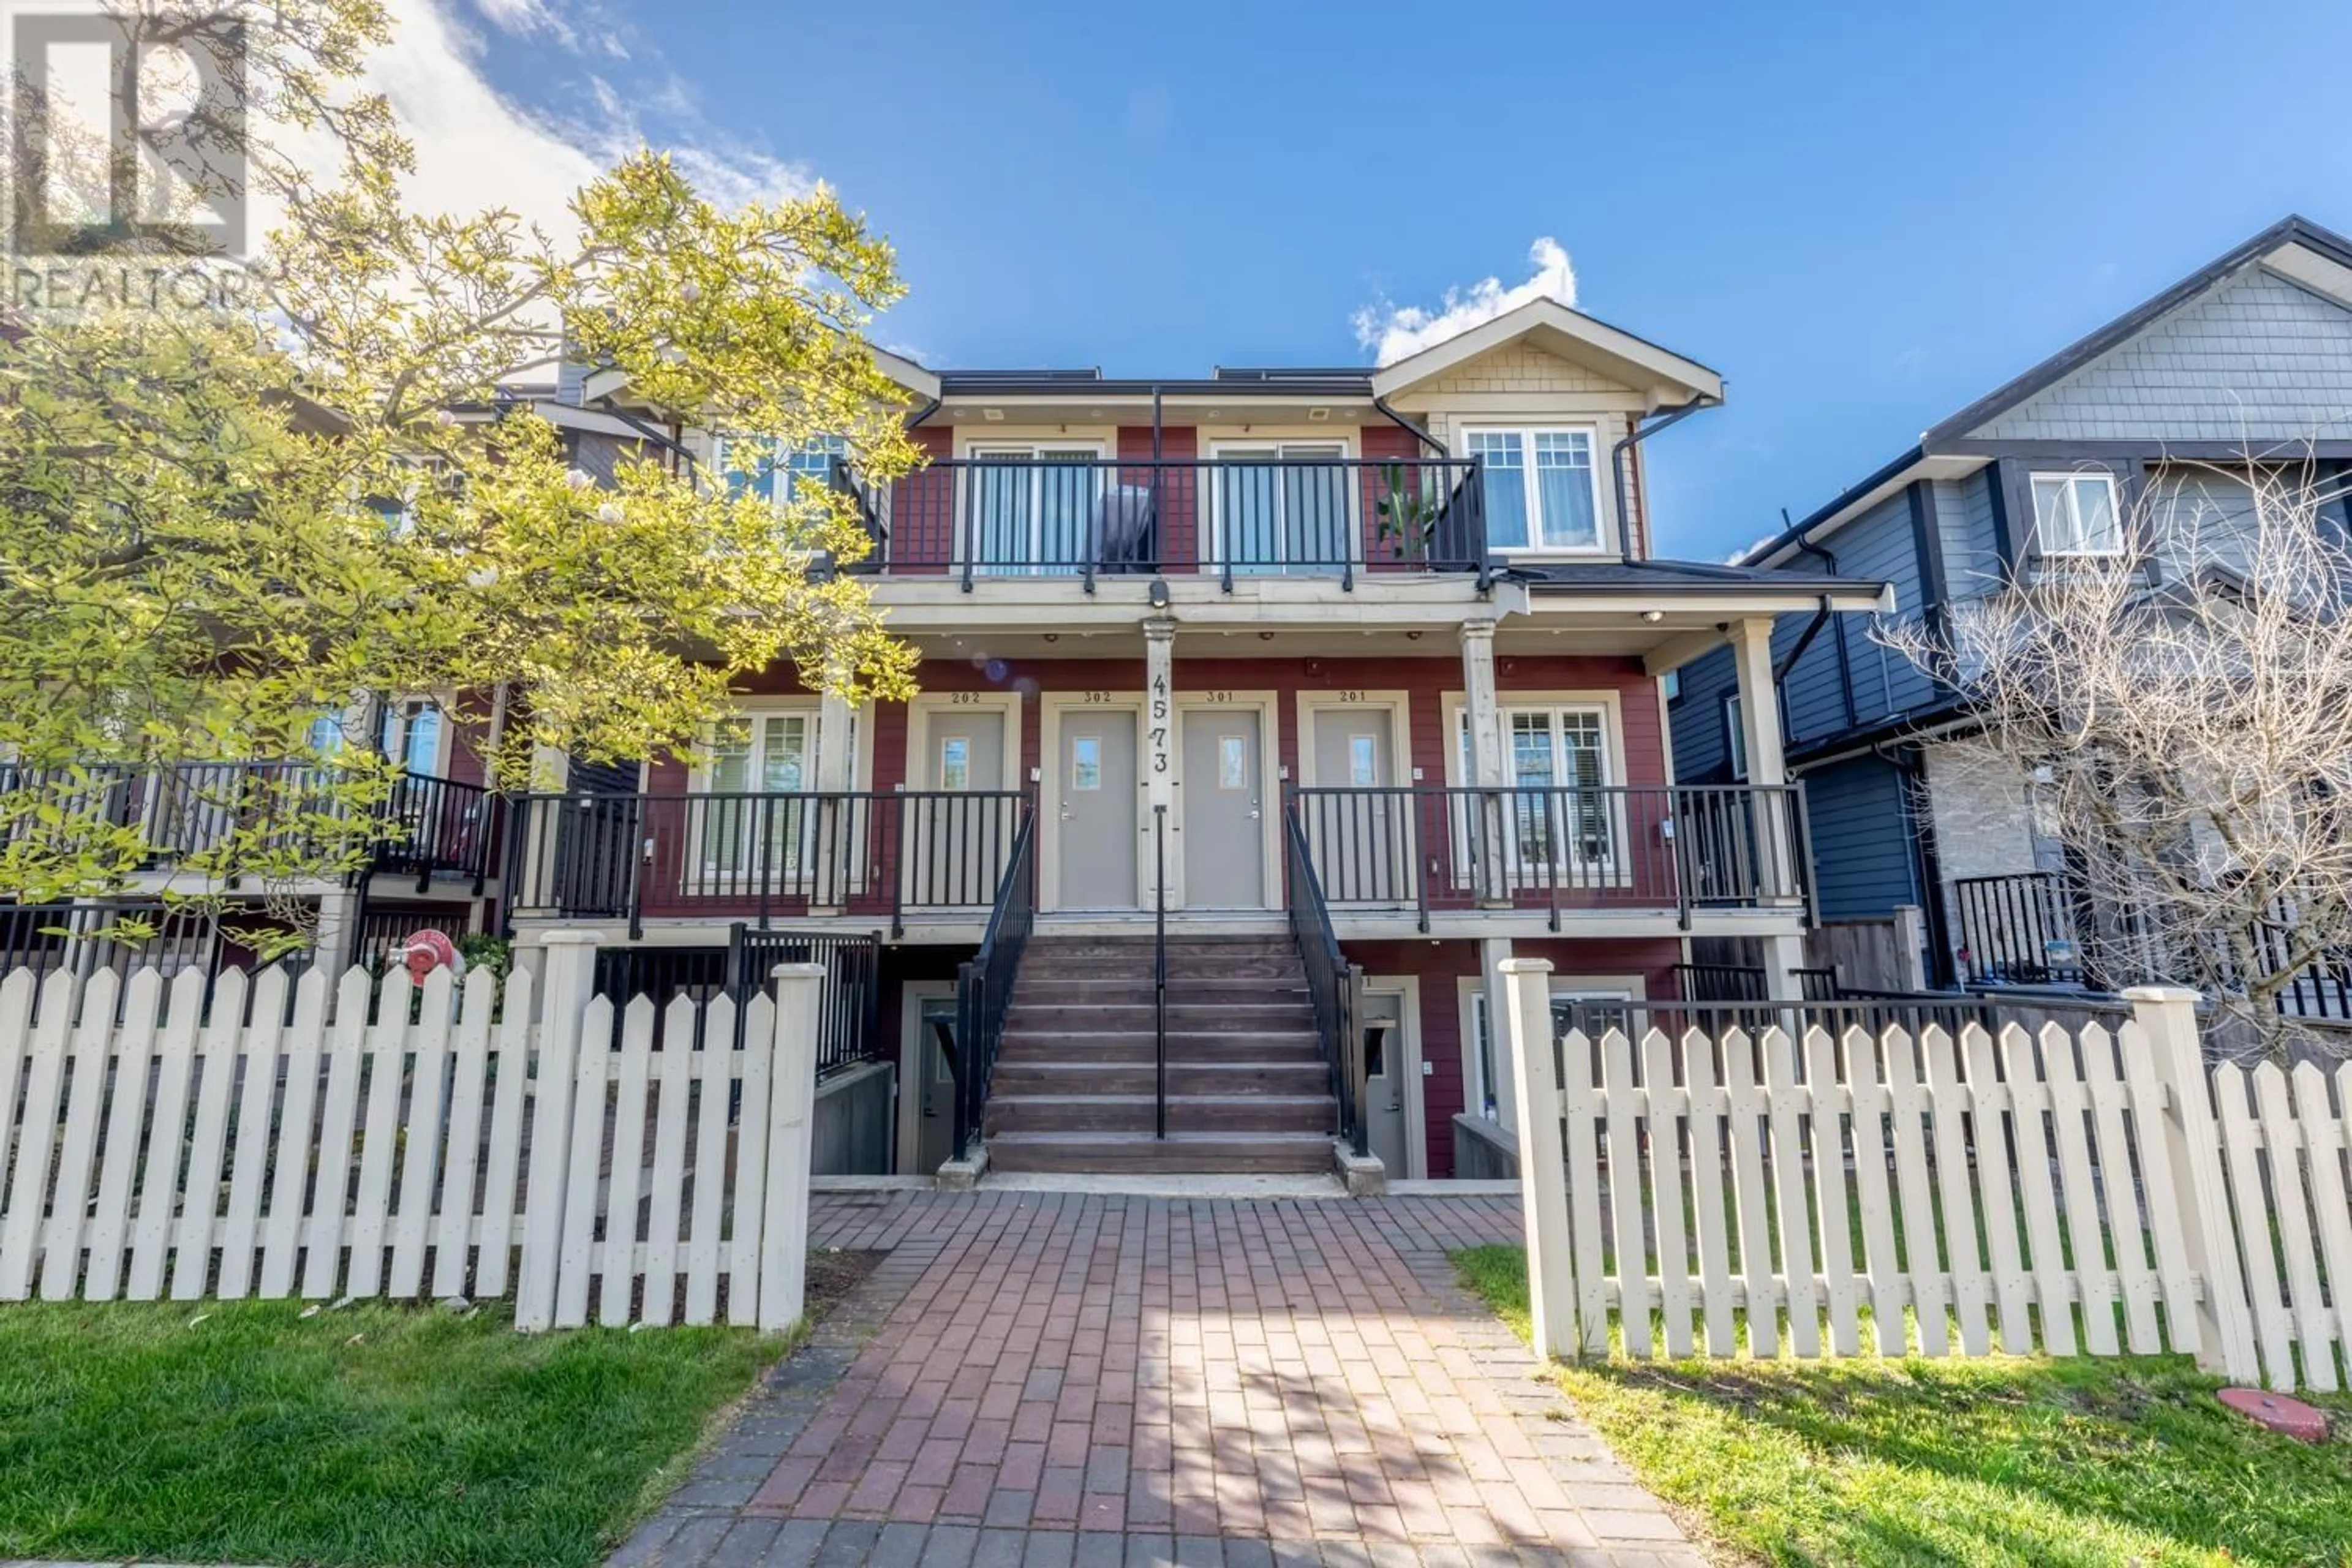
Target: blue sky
x: 1863, y: 216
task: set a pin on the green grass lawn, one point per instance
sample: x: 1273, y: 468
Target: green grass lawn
x: 1998, y: 1461
x: 385, y: 1435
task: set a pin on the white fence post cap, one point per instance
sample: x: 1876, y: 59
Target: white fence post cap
x: 2161, y: 994
x: 797, y: 971
x: 1523, y: 966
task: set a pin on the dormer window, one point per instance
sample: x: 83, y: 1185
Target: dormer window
x: 1541, y: 490
x: 2075, y: 514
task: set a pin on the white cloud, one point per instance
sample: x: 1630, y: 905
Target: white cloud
x: 526, y: 19
x: 478, y: 148
x: 1393, y: 331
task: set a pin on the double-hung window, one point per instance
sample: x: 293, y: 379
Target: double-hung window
x: 2075, y: 514
x: 1541, y: 490
x: 1557, y: 761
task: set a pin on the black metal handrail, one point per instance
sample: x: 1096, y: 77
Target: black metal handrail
x: 984, y: 984
x: 867, y: 853
x: 1335, y: 988
x: 1018, y: 515
x: 1661, y: 847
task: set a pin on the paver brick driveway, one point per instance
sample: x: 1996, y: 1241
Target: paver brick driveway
x: 1065, y: 1379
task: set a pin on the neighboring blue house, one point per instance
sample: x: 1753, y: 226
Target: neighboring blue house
x: 2250, y: 356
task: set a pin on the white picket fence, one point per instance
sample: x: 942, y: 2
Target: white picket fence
x: 2090, y: 1190
x: 151, y: 1147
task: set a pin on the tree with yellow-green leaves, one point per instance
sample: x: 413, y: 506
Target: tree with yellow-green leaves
x: 219, y: 524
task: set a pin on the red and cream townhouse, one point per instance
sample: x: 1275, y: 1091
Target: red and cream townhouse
x: 1261, y: 713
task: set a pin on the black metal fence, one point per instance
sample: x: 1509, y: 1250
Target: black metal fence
x: 849, y: 998
x: 2020, y: 930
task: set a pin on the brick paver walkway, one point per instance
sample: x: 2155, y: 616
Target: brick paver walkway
x: 1070, y: 1381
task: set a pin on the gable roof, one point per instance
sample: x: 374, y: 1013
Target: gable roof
x: 2316, y: 259
x: 1664, y: 376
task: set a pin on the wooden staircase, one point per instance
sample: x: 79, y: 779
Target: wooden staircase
x: 1075, y: 1086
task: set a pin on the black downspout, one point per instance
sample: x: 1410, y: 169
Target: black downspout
x: 1642, y: 432
x: 1845, y: 662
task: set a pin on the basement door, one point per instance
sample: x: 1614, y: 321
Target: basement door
x: 1097, y: 790
x: 1384, y: 1079
x: 1223, y: 786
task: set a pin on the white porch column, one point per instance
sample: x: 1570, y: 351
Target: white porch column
x: 1488, y: 826
x: 1483, y: 706
x: 838, y: 824
x: 1159, y: 739
x: 1776, y: 843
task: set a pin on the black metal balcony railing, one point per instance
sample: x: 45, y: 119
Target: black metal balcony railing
x: 2020, y: 930
x: 1678, y: 847
x: 1232, y: 516
x: 429, y: 826
x: 729, y: 856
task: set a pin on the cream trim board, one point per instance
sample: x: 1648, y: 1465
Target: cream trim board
x: 1471, y: 999
x: 1609, y: 702
x: 908, y: 1086
x: 1052, y: 707
x: 1268, y: 705
x: 1399, y: 704
x: 926, y: 712
x: 1611, y: 527
x: 1407, y: 988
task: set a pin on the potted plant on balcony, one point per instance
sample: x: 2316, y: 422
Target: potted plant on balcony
x: 1407, y: 517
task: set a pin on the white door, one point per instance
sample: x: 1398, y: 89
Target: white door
x: 1095, y: 818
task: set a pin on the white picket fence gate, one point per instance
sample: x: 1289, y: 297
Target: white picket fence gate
x: 151, y: 1147
x: 2076, y: 1190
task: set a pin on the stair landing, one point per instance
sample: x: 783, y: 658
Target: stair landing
x: 1248, y: 1091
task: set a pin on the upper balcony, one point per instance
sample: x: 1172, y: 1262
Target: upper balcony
x: 1236, y: 515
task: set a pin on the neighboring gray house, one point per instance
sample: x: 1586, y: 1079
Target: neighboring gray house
x: 2252, y: 355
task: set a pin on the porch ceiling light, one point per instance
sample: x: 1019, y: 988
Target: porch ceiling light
x: 1653, y: 616
x: 1159, y: 592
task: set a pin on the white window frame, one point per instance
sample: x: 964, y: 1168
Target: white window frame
x: 2078, y: 544
x: 699, y: 782
x: 782, y: 469
x: 1530, y: 870
x: 1735, y: 736
x: 1603, y: 524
